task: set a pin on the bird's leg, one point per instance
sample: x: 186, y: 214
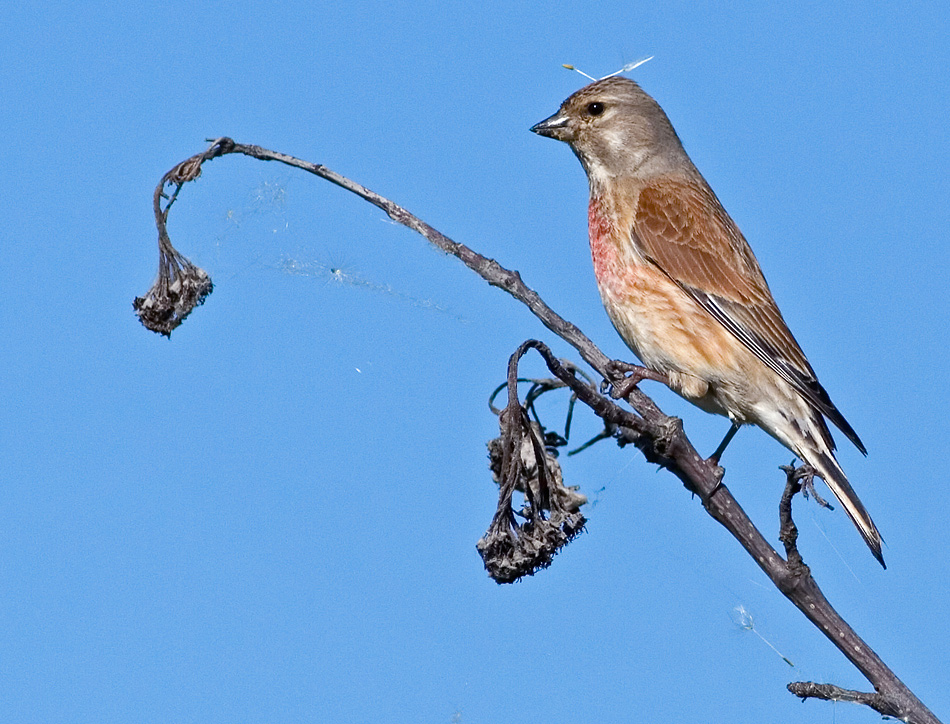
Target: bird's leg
x: 623, y: 377
x: 725, y: 443
x: 714, y: 458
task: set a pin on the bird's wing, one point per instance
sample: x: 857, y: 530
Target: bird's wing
x: 683, y: 229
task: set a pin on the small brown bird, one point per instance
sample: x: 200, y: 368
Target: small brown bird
x: 683, y: 288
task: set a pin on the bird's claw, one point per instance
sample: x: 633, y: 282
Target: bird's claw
x: 622, y: 377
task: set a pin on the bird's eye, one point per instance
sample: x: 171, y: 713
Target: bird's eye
x: 595, y: 109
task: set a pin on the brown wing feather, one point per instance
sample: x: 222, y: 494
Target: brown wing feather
x: 683, y: 229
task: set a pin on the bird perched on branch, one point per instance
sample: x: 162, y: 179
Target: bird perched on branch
x: 683, y: 288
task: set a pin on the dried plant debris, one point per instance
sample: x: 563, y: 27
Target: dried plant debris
x: 180, y: 287
x: 511, y: 551
x: 569, y: 498
x: 551, y: 512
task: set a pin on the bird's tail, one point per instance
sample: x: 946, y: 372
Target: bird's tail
x: 830, y: 471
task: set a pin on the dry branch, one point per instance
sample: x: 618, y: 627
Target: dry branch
x: 659, y: 437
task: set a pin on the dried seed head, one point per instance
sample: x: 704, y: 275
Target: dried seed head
x: 511, y: 551
x: 187, y: 170
x: 523, y: 550
x: 180, y: 287
x: 569, y: 498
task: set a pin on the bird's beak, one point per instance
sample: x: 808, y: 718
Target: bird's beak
x: 553, y: 127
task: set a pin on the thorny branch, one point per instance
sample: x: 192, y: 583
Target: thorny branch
x: 181, y: 286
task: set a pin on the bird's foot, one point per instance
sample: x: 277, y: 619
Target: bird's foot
x: 622, y: 377
x: 718, y: 473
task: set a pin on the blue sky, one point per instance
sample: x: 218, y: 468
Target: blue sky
x: 272, y: 517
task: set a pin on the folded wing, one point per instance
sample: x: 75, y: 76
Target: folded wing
x: 683, y: 229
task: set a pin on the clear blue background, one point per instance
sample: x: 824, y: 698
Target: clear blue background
x: 272, y: 517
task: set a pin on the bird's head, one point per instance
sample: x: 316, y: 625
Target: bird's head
x: 616, y: 129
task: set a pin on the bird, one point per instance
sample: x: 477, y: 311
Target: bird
x: 683, y: 288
